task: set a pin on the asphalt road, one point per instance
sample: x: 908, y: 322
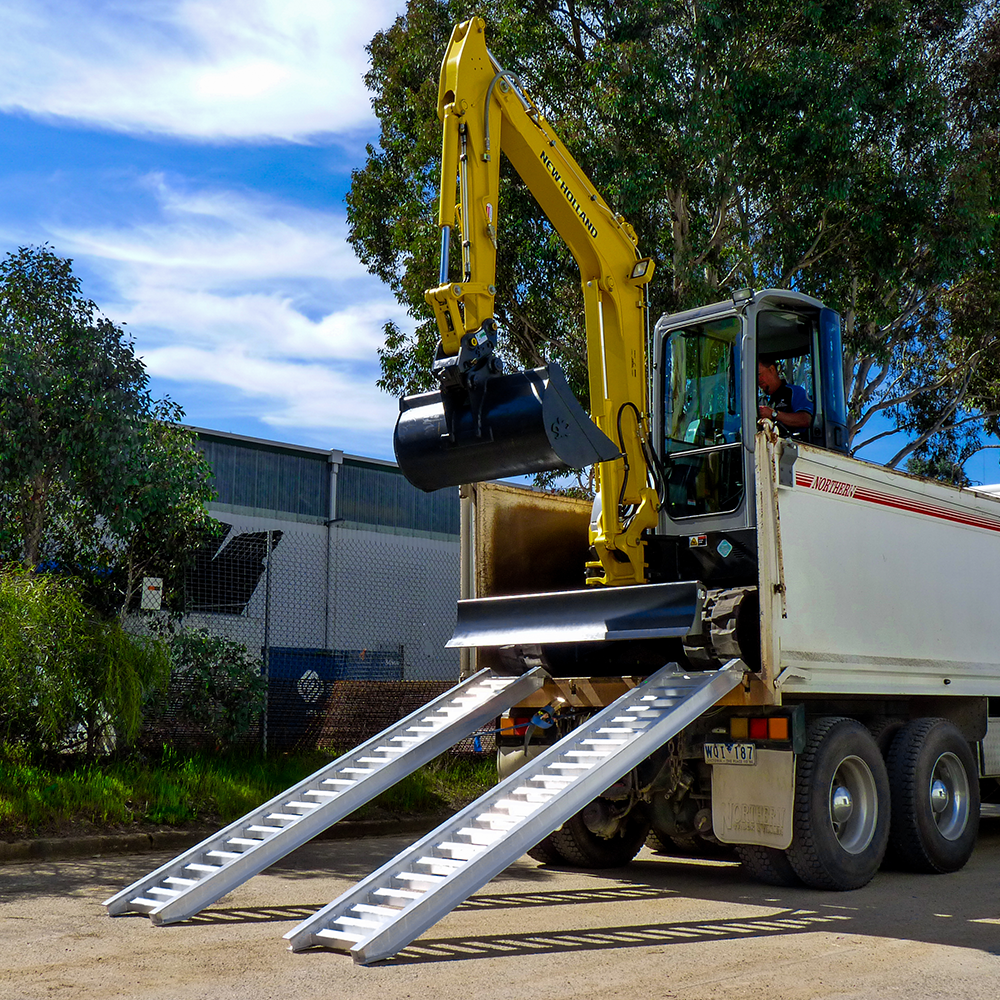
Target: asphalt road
x: 665, y: 927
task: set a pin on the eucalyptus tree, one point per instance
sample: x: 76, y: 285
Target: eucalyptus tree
x: 846, y: 148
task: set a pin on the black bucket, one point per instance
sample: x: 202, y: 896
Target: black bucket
x: 530, y: 422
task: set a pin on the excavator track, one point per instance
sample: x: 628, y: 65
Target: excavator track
x: 730, y: 630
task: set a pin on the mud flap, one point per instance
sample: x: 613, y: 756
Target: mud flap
x: 520, y: 423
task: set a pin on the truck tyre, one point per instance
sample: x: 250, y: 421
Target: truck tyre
x: 583, y: 848
x: 545, y: 852
x: 674, y: 843
x: 935, y: 797
x: 884, y: 730
x: 841, y: 817
x: 767, y: 865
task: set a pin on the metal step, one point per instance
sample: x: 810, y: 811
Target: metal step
x: 203, y: 874
x: 386, y: 911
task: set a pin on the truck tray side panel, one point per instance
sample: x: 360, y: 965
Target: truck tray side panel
x: 888, y: 583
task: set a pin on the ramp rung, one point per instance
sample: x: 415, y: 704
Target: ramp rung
x: 379, y: 911
x: 448, y: 864
x: 333, y: 934
x: 482, y: 837
x: 349, y: 922
x: 289, y: 820
x: 420, y: 877
x: 398, y: 893
x: 486, y: 836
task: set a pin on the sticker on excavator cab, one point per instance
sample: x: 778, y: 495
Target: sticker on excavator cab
x: 753, y: 805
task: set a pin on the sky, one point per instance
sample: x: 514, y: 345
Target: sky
x: 192, y: 157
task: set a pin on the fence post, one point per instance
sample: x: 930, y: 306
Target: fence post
x: 266, y: 664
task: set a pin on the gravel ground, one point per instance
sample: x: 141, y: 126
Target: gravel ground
x: 664, y: 927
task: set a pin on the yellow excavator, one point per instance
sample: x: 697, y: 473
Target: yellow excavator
x: 673, y: 537
x: 482, y: 424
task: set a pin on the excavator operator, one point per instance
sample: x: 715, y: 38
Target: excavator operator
x: 789, y: 406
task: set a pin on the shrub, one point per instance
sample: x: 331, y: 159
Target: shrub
x: 215, y: 686
x: 63, y: 669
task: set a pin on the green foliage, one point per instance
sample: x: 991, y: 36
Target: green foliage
x: 202, y: 789
x: 216, y: 685
x: 63, y: 669
x: 163, y: 520
x: 94, y: 474
x: 846, y: 149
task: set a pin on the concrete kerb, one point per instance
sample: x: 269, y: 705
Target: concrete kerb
x: 60, y: 848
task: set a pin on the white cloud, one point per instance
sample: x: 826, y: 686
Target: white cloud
x: 253, y: 295
x: 205, y: 69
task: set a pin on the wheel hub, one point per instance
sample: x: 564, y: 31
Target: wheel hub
x: 949, y: 796
x: 853, y: 804
x: 841, y: 804
x: 939, y: 796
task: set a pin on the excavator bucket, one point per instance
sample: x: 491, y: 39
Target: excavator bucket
x: 514, y: 425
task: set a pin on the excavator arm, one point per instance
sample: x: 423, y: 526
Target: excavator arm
x: 482, y: 423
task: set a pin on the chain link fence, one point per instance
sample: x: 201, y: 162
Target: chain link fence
x: 348, y: 627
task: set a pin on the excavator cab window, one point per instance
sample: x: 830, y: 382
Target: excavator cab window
x: 789, y: 339
x: 701, y: 407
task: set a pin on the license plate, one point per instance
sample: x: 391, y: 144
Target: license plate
x: 730, y: 753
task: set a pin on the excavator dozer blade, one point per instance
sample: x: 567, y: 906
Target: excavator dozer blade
x: 525, y: 422
x: 598, y: 614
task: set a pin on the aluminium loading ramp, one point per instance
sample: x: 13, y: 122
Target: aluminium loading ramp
x: 385, y: 912
x: 203, y: 874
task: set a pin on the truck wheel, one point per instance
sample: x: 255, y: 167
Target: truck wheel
x: 767, y: 865
x: 674, y: 843
x: 661, y: 842
x: 841, y: 818
x: 545, y: 852
x: 935, y: 797
x: 884, y: 730
x: 583, y: 848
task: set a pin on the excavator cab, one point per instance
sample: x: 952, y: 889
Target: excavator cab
x: 706, y: 420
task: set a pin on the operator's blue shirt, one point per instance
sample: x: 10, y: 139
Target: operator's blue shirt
x: 791, y: 399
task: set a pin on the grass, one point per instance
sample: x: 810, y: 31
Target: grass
x: 202, y: 790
